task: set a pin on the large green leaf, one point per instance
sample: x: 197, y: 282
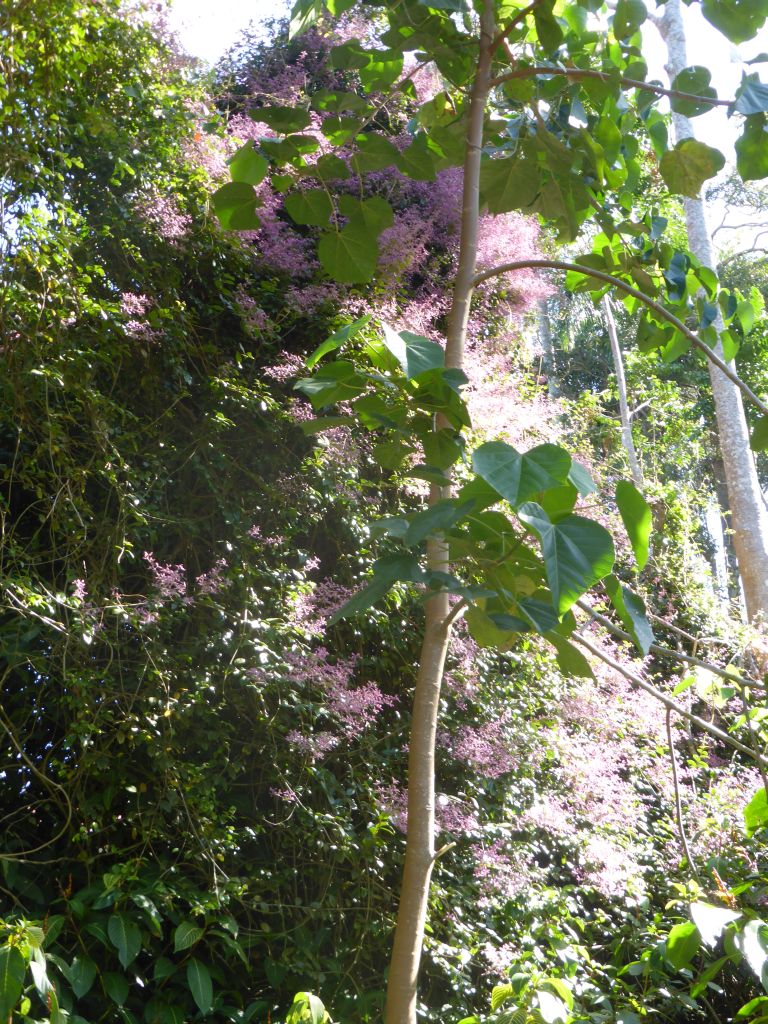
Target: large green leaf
x: 758, y: 442
x: 739, y: 20
x: 693, y: 80
x: 247, y: 165
x: 12, y: 971
x: 511, y: 183
x: 440, y: 516
x: 638, y: 521
x: 756, y: 812
x: 125, y: 936
x: 416, y: 355
x: 199, y: 981
x: 752, y: 149
x: 683, y: 944
x: 82, y: 975
x: 350, y: 255
x: 311, y: 207
x: 282, y: 119
x: 712, y: 921
x: 570, y: 659
x: 186, y: 935
x: 116, y: 986
x: 686, y: 167
x: 577, y: 553
x: 629, y: 16
x: 518, y: 477
x: 751, y: 96
x: 235, y: 205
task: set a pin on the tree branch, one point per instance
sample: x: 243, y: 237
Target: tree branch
x: 600, y: 275
x: 630, y: 83
x: 668, y: 702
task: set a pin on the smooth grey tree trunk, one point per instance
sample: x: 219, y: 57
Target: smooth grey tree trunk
x: 621, y: 384
x: 547, y: 348
x: 749, y: 520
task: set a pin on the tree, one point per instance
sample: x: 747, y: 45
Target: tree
x: 749, y: 517
x: 499, y: 68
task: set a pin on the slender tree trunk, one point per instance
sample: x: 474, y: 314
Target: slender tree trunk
x: 547, y: 348
x: 732, y: 585
x: 420, y: 843
x: 621, y: 384
x: 748, y: 513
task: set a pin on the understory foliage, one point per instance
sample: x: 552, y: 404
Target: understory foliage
x: 202, y: 784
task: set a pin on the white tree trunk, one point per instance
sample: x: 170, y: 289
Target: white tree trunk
x: 749, y: 519
x: 621, y: 385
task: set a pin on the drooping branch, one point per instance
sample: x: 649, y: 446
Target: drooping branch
x: 630, y: 83
x: 668, y: 702
x: 616, y: 282
x: 667, y: 652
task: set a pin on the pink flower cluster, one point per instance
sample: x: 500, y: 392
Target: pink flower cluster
x: 169, y: 580
x: 485, y: 748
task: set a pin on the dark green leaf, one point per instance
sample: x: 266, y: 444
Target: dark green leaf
x: 636, y: 516
x: 311, y: 207
x: 693, y: 80
x: 629, y: 16
x: 374, y: 152
x: 235, y: 205
x: 186, y: 935
x: 577, y: 553
x: 386, y: 571
x: 199, y: 981
x: 758, y: 442
x: 350, y: 255
x: 739, y: 20
x: 116, y: 987
x: 631, y: 611
x: 125, y: 936
x: 12, y: 972
x: 548, y: 28
x: 440, y: 516
x: 82, y: 975
x: 336, y: 382
x: 416, y: 355
x: 337, y: 339
x: 282, y: 119
x: 751, y: 96
x: 581, y: 479
x: 752, y: 149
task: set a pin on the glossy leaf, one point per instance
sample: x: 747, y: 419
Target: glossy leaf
x: 82, y: 975
x: 577, y: 553
x: 12, y: 972
x: 199, y: 981
x: 336, y: 340
x: 712, y: 921
x: 186, y: 935
x: 631, y: 611
x: 683, y: 944
x: 518, y: 477
x: 125, y: 936
x: 636, y: 516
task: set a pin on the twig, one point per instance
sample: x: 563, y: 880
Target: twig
x: 678, y: 801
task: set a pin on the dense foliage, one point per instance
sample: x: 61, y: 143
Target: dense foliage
x: 203, y: 772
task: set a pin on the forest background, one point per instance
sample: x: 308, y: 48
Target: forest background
x: 203, y: 780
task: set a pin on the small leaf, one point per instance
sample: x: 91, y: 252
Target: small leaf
x: 416, y: 355
x: 686, y: 167
x: 683, y: 944
x: 751, y: 96
x: 631, y: 611
x: 509, y: 184
x: 636, y: 516
x: 116, y: 987
x: 337, y: 339
x: 693, y: 80
x: 186, y: 935
x: 12, y: 971
x: 629, y: 16
x: 247, y: 165
x: 570, y: 659
x: 199, y: 981
x: 752, y: 149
